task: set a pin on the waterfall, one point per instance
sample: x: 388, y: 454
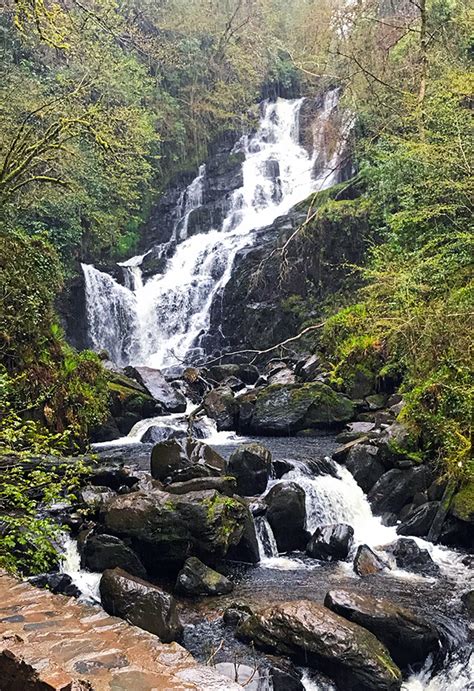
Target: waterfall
x: 267, y: 546
x: 158, y: 323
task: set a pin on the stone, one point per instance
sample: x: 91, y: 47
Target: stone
x: 420, y: 519
x: 247, y: 549
x: 408, y: 555
x: 195, y: 578
x: 285, y: 676
x: 331, y: 542
x: 236, y: 613
x: 468, y: 601
x: 286, y: 515
x: 341, y: 453
x: 396, y: 487
x: 177, y: 458
x: 219, y: 404
x: 322, y: 639
x: 409, y: 638
x: 95, y: 497
x: 223, y: 485
x: 462, y: 506
x: 366, y: 562
x: 101, y: 552
x: 57, y: 583
x: 365, y: 466
x: 309, y: 368
x: 154, y: 382
x: 251, y: 465
x: 282, y: 376
x: 141, y: 604
x: 281, y: 467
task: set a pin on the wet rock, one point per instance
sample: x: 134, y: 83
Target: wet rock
x: 419, y: 521
x: 308, y: 631
x: 468, y: 601
x: 220, y: 405
x: 57, y: 583
x: 154, y: 382
x: 247, y: 549
x: 195, y: 578
x: 236, y: 613
x: 234, y: 384
x: 355, y: 430
x: 177, y: 459
x: 366, y: 562
x: 282, y: 376
x: 223, y: 485
x: 140, y: 603
x: 95, y: 496
x: 112, y: 476
x: 101, y: 552
x: 365, y: 466
x: 129, y: 402
x: 398, y: 487
x: 287, y: 516
x: 251, y: 465
x: 246, y: 373
x: 408, y: 555
x: 157, y: 433
x: 408, y: 637
x: 396, y: 441
x: 331, y: 542
x: 309, y: 368
x: 284, y: 675
x: 462, y: 506
x: 376, y: 401
x: 341, y: 453
x: 281, y: 467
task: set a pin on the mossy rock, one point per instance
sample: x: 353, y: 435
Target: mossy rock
x: 463, y: 503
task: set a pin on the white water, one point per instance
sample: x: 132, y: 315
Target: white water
x: 158, y: 323
x: 86, y: 581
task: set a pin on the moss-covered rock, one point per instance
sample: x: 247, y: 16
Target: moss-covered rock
x: 195, y: 578
x: 463, y: 503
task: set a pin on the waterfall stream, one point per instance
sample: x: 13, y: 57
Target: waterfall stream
x: 158, y: 322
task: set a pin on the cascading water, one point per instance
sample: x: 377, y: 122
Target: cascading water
x: 158, y: 323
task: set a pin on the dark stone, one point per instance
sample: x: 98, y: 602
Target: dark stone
x: 419, y: 520
x: 366, y: 562
x: 95, y: 496
x: 113, y: 476
x: 170, y: 457
x: 141, y: 604
x: 152, y: 379
x: 251, y: 465
x: 195, y: 578
x: 57, y: 583
x: 408, y: 555
x: 281, y: 467
x: 236, y: 613
x: 284, y: 675
x: 247, y: 549
x: 364, y: 464
x: 103, y: 552
x: 341, y: 453
x: 309, y: 368
x: 398, y: 487
x: 468, y: 601
x: 220, y: 405
x: 331, y: 542
x: 408, y: 637
x: 223, y: 485
x: 287, y: 516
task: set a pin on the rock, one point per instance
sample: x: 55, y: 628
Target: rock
x: 284, y: 409
x: 366, y: 562
x: 413, y: 558
x: 130, y: 402
x: 95, y: 496
x: 223, y: 485
x: 247, y: 373
x: 167, y: 528
x: 141, y: 604
x: 287, y: 516
x: 398, y: 487
x: 57, y: 583
x: 310, y: 632
x: 236, y: 613
x: 331, y: 542
x: 157, y: 433
x: 376, y: 401
x: 101, y: 552
x: 355, y: 430
x: 462, y: 506
x: 220, y: 405
x: 195, y: 578
x: 408, y: 637
x: 170, y: 457
x: 234, y: 384
x: 468, y: 601
x: 309, y: 368
x: 281, y: 467
x: 341, y: 453
x: 112, y: 476
x: 397, y: 441
x: 247, y: 549
x: 364, y: 464
x: 419, y: 520
x: 282, y: 376
x: 284, y: 675
x: 251, y: 465
x: 154, y: 382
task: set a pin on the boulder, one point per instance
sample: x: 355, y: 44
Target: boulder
x: 220, y: 405
x: 312, y: 633
x: 102, y: 552
x: 224, y: 485
x: 57, y: 583
x: 409, y: 556
x: 341, y: 453
x: 408, y: 637
x: 363, y: 462
x: 247, y: 549
x: 396, y: 487
x: 281, y: 467
x: 282, y: 376
x: 246, y: 373
x: 154, y: 382
x: 420, y: 519
x: 251, y: 465
x: 309, y: 368
x: 287, y: 516
x: 141, y: 604
x: 462, y: 506
x: 468, y: 601
x: 331, y: 542
x: 195, y: 578
x: 184, y: 459
x: 366, y: 562
x: 95, y: 496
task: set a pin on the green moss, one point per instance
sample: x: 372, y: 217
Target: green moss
x: 463, y: 502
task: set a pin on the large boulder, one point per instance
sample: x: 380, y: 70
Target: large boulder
x: 331, y: 542
x: 409, y: 556
x: 396, y: 488
x: 365, y: 466
x: 251, y: 465
x: 312, y: 633
x: 220, y: 405
x: 419, y: 521
x: 195, y: 578
x: 286, y: 514
x: 154, y: 382
x: 101, y: 552
x: 224, y: 485
x: 408, y: 637
x: 170, y: 527
x: 184, y: 459
x: 287, y: 408
x: 246, y: 373
x: 141, y: 604
x: 130, y: 402
x: 367, y: 563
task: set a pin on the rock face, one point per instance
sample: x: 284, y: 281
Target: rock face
x: 331, y: 542
x: 184, y: 459
x: 140, y: 603
x: 366, y: 562
x: 409, y: 638
x: 195, y: 578
x: 168, y: 397
x: 103, y: 552
x: 398, y: 487
x: 287, y: 516
x: 308, y: 631
x: 251, y: 465
x: 288, y: 408
x: 169, y: 527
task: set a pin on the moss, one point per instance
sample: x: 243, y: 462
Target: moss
x: 463, y: 502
